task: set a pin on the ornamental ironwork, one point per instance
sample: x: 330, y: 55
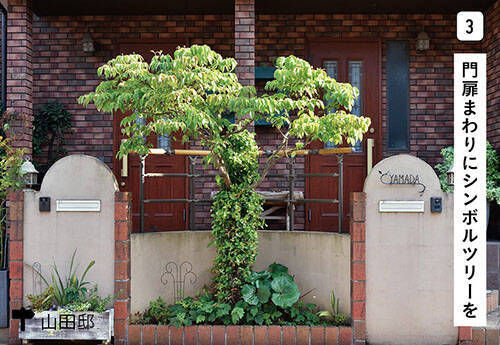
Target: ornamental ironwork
x: 178, y: 275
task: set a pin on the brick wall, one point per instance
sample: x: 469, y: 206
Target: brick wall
x: 123, y: 228
x: 431, y: 72
x: 63, y: 72
x: 358, y: 266
x: 20, y: 72
x: 491, y: 46
x: 464, y: 335
x: 15, y: 230
x: 244, y: 40
x: 238, y: 335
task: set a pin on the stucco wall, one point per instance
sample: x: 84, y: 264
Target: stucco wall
x: 51, y: 237
x: 409, y: 260
x: 319, y: 261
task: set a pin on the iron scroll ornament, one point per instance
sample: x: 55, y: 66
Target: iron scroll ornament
x: 401, y: 179
x: 179, y: 273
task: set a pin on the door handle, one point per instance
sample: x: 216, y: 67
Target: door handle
x: 370, y: 144
x: 309, y: 214
x: 124, y: 164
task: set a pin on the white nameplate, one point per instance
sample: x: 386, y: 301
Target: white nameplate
x: 401, y: 206
x: 78, y: 205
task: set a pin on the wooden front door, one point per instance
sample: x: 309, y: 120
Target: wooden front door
x: 357, y: 63
x: 157, y: 216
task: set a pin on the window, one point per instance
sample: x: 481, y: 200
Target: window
x: 356, y: 79
x: 398, y: 95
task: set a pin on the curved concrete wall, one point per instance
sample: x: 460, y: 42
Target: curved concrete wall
x: 51, y: 237
x: 409, y: 260
x: 319, y: 261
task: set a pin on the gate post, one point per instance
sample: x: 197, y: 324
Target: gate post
x: 358, y: 270
x: 123, y: 228
x: 15, y: 229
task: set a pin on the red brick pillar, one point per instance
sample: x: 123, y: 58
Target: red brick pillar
x: 244, y: 40
x: 358, y: 267
x: 464, y: 335
x: 123, y: 227
x: 15, y: 229
x: 20, y: 73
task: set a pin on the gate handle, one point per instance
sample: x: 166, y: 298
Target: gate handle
x: 370, y: 144
x: 124, y: 164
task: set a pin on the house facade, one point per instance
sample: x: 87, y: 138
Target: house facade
x: 406, y: 91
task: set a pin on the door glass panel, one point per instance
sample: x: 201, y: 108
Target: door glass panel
x: 140, y: 121
x: 331, y: 70
x: 356, y: 79
x: 163, y: 142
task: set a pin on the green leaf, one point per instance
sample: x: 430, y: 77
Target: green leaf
x: 237, y: 314
x: 263, y: 293
x: 286, y: 292
x: 249, y: 295
x: 278, y: 268
x: 223, y: 309
x: 263, y: 275
x: 259, y: 318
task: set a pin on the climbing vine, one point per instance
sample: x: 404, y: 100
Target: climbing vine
x: 236, y: 217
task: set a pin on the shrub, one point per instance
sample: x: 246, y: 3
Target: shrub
x: 157, y: 313
x: 268, y: 297
x: 492, y: 172
x: 10, y: 179
x: 334, y: 316
x: 43, y: 301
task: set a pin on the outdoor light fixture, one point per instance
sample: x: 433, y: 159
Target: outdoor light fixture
x: 28, y: 173
x: 88, y: 44
x: 450, y: 175
x: 423, y: 41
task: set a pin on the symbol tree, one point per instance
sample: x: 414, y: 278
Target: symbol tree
x: 193, y: 92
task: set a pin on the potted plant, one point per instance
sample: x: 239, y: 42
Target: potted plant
x: 492, y: 174
x: 50, y: 123
x: 68, y: 310
x: 192, y: 92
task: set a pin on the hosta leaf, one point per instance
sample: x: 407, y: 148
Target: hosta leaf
x: 286, y: 292
x: 263, y: 294
x: 249, y: 294
x: 277, y: 269
x: 260, y: 275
